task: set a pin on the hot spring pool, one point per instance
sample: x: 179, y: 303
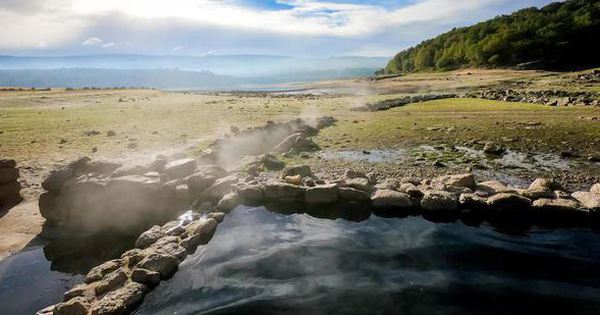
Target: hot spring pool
x: 261, y: 262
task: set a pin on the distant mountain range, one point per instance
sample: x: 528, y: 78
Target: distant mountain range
x: 560, y: 36
x: 214, y: 71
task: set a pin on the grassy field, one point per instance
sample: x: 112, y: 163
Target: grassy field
x: 43, y: 129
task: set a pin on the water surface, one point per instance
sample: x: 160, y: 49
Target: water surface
x: 267, y: 263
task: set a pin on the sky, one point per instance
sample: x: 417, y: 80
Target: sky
x: 302, y: 28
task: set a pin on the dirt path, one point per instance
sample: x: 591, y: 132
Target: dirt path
x: 19, y: 226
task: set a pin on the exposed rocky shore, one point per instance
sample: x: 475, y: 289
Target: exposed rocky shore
x: 88, y: 196
x: 549, y: 98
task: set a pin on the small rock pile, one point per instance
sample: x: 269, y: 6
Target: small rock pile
x: 118, y: 286
x: 443, y: 195
x: 590, y: 77
x: 403, y: 101
x: 549, y: 98
x: 10, y: 187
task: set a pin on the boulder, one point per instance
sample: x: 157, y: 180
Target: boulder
x: 165, y: 265
x: 120, y: 301
x: 389, y: 184
x: 457, y: 182
x: 386, y: 198
x: 101, y: 167
x: 199, y: 182
x: 180, y: 168
x: 436, y: 200
x: 351, y: 174
x: 541, y: 188
x: 588, y: 200
x: 149, y: 237
x: 271, y: 162
x: 288, y: 143
x: 321, y: 194
x: 411, y: 190
x: 251, y: 194
x: 229, y: 201
x: 221, y: 187
x: 472, y: 201
x: 509, y: 202
x: 352, y: 194
x: 97, y: 273
x: 8, y: 175
x: 493, y: 149
x: 147, y: 277
x: 4, y: 163
x: 359, y: 183
x: 493, y: 187
x: 111, y: 281
x: 557, y: 206
x: 302, y: 170
x: 595, y: 190
x: 75, y: 306
x: 276, y: 190
x: 170, y: 249
x: 10, y: 190
x: 217, y: 216
x: 58, y: 177
x: 77, y: 290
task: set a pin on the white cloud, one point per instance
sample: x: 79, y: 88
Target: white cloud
x: 92, y: 41
x: 62, y: 23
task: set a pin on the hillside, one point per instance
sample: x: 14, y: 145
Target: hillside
x: 559, y: 36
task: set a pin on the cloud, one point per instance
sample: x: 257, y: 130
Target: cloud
x: 157, y: 25
x: 92, y: 41
x: 108, y: 45
x: 177, y: 48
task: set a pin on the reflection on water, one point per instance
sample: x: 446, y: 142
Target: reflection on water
x: 265, y: 263
x: 38, y: 276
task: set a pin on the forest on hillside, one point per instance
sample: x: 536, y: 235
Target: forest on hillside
x: 559, y: 36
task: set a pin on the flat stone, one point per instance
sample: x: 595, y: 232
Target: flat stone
x: 386, y: 198
x: 199, y: 182
x: 221, y: 187
x: 321, y: 194
x: 436, y: 200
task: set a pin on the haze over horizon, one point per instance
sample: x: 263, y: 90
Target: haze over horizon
x: 299, y: 28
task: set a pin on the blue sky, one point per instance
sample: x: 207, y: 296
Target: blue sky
x: 318, y: 28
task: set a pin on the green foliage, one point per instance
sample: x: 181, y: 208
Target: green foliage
x: 562, y: 35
